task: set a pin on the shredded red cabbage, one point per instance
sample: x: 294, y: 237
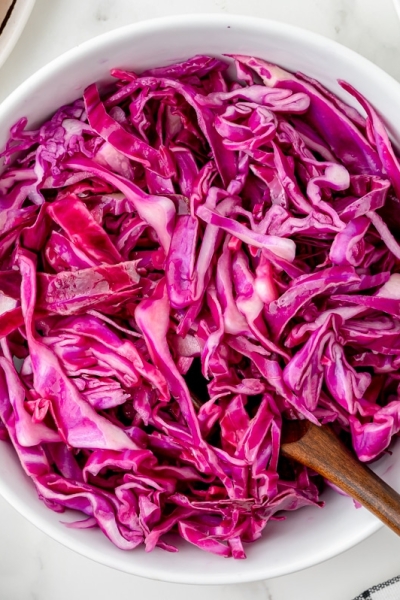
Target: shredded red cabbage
x: 184, y: 263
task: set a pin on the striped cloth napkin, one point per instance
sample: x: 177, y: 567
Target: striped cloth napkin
x: 389, y: 590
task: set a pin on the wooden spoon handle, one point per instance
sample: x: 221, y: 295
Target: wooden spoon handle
x: 321, y: 450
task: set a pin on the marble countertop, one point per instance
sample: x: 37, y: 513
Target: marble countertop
x: 33, y: 566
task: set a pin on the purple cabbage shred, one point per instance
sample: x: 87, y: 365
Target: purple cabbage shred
x: 185, y: 262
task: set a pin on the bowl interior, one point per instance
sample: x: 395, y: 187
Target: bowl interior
x: 309, y: 535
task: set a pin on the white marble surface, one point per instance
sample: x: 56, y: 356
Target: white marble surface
x: 34, y: 567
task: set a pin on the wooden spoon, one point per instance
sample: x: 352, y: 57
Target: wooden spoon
x: 321, y: 450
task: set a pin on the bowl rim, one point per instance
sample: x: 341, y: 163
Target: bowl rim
x: 153, y: 26
x: 189, y: 20
x: 14, y: 27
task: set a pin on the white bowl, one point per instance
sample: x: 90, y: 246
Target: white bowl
x: 309, y: 535
x: 14, y: 27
